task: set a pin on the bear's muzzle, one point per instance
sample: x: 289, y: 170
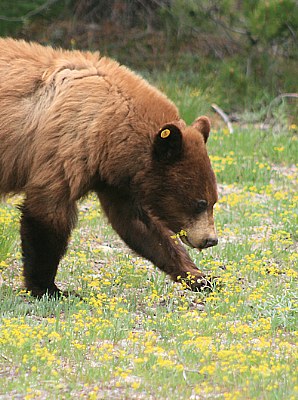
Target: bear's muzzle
x: 201, y: 234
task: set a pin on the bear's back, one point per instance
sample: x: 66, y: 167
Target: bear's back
x: 24, y: 67
x: 51, y: 96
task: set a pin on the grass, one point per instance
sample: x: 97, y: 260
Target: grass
x: 135, y: 334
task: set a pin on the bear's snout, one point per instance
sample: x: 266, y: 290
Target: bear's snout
x: 210, y: 242
x: 200, y: 245
x: 201, y: 234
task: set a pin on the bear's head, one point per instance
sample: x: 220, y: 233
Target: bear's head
x: 181, y: 185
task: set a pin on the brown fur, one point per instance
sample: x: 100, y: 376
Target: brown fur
x: 73, y: 122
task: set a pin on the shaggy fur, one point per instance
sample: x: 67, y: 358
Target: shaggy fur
x: 73, y: 122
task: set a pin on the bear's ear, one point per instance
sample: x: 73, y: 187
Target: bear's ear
x: 168, y: 144
x: 203, y: 125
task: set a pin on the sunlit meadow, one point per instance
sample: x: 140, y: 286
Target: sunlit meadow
x: 137, y: 335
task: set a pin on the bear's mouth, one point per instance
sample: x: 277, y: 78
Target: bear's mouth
x: 187, y: 243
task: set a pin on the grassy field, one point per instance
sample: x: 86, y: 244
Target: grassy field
x: 137, y: 335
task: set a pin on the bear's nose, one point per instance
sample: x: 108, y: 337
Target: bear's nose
x: 210, y: 242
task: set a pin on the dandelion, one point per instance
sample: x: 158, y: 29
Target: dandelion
x: 279, y: 149
x: 293, y: 127
x: 135, y: 385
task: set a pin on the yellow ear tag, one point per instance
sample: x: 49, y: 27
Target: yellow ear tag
x: 165, y: 133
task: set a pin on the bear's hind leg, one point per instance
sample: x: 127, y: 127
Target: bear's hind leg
x: 44, y: 243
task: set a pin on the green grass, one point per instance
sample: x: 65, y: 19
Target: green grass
x: 135, y: 334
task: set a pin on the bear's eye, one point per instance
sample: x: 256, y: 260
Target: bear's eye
x: 201, y: 206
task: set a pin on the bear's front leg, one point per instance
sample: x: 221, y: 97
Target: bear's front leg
x: 149, y: 238
x: 44, y: 235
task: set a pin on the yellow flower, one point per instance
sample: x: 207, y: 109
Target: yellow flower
x: 135, y: 385
x: 281, y: 148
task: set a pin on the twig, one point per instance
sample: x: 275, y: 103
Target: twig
x: 279, y: 97
x: 6, y: 358
x: 275, y: 100
x: 29, y: 14
x: 223, y: 116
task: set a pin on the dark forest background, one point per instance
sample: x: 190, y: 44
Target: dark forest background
x: 239, y: 53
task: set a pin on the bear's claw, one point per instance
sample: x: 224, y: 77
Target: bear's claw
x: 200, y: 284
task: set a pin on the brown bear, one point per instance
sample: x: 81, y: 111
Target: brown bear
x: 72, y: 122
